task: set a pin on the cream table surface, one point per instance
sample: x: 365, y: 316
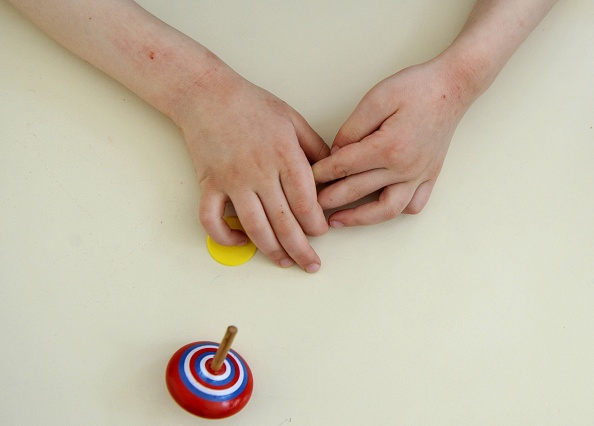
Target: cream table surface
x: 480, y: 310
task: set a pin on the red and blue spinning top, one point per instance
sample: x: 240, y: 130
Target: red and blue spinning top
x: 210, y: 380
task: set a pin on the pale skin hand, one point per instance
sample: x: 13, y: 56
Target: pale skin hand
x: 252, y: 149
x: 397, y: 138
x: 247, y: 146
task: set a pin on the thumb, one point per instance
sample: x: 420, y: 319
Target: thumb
x: 367, y: 117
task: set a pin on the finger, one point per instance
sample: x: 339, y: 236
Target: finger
x: 350, y: 160
x: 420, y: 198
x: 367, y: 117
x: 299, y: 188
x: 354, y: 187
x: 392, y: 201
x: 288, y: 231
x: 253, y: 218
x: 212, y: 210
x: 312, y: 144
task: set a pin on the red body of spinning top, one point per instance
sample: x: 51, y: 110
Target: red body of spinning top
x: 197, y: 388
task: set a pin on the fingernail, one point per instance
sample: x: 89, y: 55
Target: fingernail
x: 314, y: 267
x: 336, y: 224
x: 334, y: 149
x: 242, y: 242
x: 285, y: 263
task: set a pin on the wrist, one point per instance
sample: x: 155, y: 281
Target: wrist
x: 469, y: 73
x: 200, y: 82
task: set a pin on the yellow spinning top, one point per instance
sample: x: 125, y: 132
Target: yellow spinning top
x: 231, y: 255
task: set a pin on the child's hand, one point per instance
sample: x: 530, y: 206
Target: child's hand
x: 395, y: 140
x: 252, y: 149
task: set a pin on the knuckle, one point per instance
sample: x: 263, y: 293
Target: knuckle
x: 283, y: 229
x: 400, y: 154
x: 354, y: 193
x: 302, y: 207
x: 394, y: 153
x: 339, y: 171
x: 252, y: 226
x: 349, y: 133
x: 285, y: 152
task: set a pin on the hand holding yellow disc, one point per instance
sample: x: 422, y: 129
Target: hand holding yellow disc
x: 231, y: 255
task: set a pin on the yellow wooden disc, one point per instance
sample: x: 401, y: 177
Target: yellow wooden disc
x: 231, y: 255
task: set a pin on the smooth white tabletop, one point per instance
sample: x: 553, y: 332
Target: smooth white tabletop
x: 478, y: 311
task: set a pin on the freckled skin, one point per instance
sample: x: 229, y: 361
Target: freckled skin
x: 395, y: 141
x: 249, y: 148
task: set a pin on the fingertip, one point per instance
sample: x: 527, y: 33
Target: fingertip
x: 286, y: 263
x: 313, y: 264
x: 341, y: 219
x: 331, y: 168
x: 313, y: 268
x: 336, y: 224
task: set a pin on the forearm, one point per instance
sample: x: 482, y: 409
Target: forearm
x: 158, y: 63
x: 492, y: 33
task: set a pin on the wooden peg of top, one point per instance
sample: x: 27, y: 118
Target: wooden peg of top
x: 223, y: 350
